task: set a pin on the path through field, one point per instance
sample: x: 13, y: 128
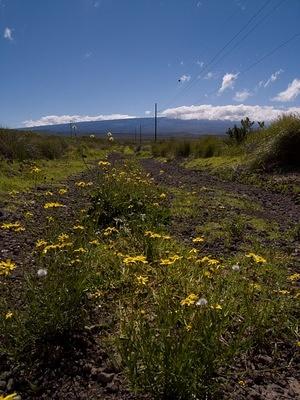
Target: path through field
x: 203, y: 204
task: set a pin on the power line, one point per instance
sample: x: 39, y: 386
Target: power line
x: 220, y: 51
x: 270, y: 53
x: 251, y: 30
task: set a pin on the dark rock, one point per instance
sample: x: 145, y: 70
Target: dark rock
x: 2, y: 385
x: 105, y: 378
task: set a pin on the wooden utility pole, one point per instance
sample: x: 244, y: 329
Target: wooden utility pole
x: 155, y: 123
x: 140, y: 134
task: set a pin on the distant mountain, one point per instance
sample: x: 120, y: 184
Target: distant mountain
x: 127, y: 127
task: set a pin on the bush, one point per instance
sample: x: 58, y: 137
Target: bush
x: 20, y: 146
x: 282, y: 149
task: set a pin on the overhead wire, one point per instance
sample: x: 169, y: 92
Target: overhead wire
x: 211, y: 61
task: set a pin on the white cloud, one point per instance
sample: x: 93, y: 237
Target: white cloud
x: 199, y: 4
x: 97, y: 4
x: 228, y: 82
x: 148, y: 112
x: 88, y: 54
x: 181, y: 63
x: 185, y: 78
x: 200, y: 63
x: 209, y: 75
x: 65, y: 119
x: 289, y: 94
x: 272, y: 79
x: 242, y: 95
x: 228, y: 112
x: 8, y: 34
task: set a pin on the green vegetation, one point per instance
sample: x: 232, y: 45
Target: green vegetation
x: 29, y: 159
x: 178, y: 313
x: 273, y: 148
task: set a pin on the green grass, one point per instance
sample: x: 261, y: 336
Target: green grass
x: 16, y: 177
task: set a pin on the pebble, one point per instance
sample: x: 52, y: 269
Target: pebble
x: 2, y: 385
x: 10, y: 385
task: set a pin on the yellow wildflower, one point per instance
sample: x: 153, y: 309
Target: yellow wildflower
x: 142, y: 280
x: 104, y: 163
x: 95, y: 242
x: 12, y: 396
x: 198, y: 239
x: 53, y: 205
x: 136, y: 259
x: 48, y: 193
x: 188, y: 327
x: 78, y: 227
x: 50, y: 219
x: 108, y: 231
x: 80, y: 250
x: 256, y: 286
x: 28, y: 214
x: 35, y: 170
x: 294, y: 277
x: 190, y: 300
x: 163, y: 195
x: 6, y: 267
x: 216, y: 306
x: 63, y: 191
x: 82, y: 184
x: 41, y: 243
x: 13, y: 226
x: 242, y: 383
x: 9, y: 315
x: 152, y: 235
x: 298, y: 344
x: 256, y: 258
x: 63, y: 237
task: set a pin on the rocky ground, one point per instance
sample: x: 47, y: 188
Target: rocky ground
x: 87, y: 371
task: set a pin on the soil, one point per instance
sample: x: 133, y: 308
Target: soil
x: 87, y: 370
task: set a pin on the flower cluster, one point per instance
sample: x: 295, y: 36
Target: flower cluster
x: 6, y: 267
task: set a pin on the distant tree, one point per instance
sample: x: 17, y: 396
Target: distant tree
x: 238, y: 134
x: 247, y: 124
x: 261, y: 124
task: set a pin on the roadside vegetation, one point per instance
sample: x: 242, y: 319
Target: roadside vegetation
x: 30, y: 159
x: 253, y: 153
x: 169, y: 284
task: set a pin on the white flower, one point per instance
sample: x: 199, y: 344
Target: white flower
x: 42, y: 272
x: 109, y: 134
x: 235, y: 267
x: 92, y: 136
x: 202, y: 302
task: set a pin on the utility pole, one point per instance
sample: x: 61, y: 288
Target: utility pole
x: 155, y: 123
x: 140, y: 134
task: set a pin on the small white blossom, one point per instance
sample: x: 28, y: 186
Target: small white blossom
x: 235, y: 267
x: 42, y: 272
x: 202, y: 302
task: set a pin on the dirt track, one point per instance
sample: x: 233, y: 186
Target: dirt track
x: 79, y: 376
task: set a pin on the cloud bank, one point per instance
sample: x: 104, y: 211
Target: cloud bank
x: 228, y: 112
x: 66, y: 119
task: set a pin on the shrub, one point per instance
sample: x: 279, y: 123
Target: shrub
x: 283, y: 146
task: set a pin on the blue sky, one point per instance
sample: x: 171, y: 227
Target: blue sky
x: 65, y: 60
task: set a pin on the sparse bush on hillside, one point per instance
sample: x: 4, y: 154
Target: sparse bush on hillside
x: 207, y: 146
x: 239, y: 134
x: 282, y: 149
x: 19, y: 146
